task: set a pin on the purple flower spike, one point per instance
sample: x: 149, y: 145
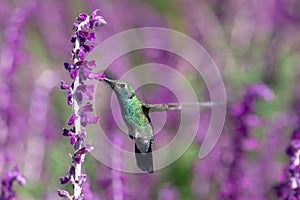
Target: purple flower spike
x: 243, y: 118
x: 78, y: 91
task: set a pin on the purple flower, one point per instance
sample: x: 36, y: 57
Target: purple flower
x: 259, y: 91
x: 80, y: 53
x: 290, y: 188
x: 67, y: 178
x: 86, y: 119
x: 91, y: 36
x: 67, y: 132
x: 97, y: 76
x: 79, y: 71
x: 64, y: 193
x: 79, y: 154
x: 13, y: 121
x: 82, y: 16
x: 243, y: 118
x: 71, y: 119
x: 96, y: 20
x: 64, y: 85
x: 91, y: 64
x: 69, y: 98
x: 72, y: 140
x: 168, y: 192
x: 242, y: 111
x: 88, y: 48
x: 68, y: 66
x: 88, y: 193
x: 73, y: 73
x: 64, y: 179
x: 70, y: 133
x: 7, y: 192
x: 114, y: 182
x: 85, y: 91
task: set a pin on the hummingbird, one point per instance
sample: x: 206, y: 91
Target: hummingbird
x: 135, y: 114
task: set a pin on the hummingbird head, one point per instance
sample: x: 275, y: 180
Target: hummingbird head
x: 122, y: 89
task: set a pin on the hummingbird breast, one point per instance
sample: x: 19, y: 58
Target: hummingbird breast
x: 134, y: 117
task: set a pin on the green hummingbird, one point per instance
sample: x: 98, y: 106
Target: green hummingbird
x: 135, y: 114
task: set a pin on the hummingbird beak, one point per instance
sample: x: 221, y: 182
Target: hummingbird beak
x: 110, y: 82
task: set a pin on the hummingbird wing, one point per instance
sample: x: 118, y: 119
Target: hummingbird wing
x: 160, y: 107
x: 175, y: 106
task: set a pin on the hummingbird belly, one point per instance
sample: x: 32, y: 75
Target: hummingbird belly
x: 137, y: 123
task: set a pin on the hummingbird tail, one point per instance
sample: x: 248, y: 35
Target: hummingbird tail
x: 144, y: 160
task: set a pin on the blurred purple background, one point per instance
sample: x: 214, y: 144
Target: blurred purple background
x: 256, y: 45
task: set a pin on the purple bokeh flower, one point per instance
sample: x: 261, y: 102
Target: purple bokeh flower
x: 114, y: 181
x: 13, y: 121
x: 168, y: 192
x: 88, y: 193
x: 243, y: 118
x: 119, y: 189
x: 51, y: 17
x: 64, y: 193
x: 39, y: 120
x: 7, y: 192
x: 21, y: 125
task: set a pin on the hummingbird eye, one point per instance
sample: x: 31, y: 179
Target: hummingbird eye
x: 122, y: 85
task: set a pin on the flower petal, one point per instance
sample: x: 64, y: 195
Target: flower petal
x: 71, y: 119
